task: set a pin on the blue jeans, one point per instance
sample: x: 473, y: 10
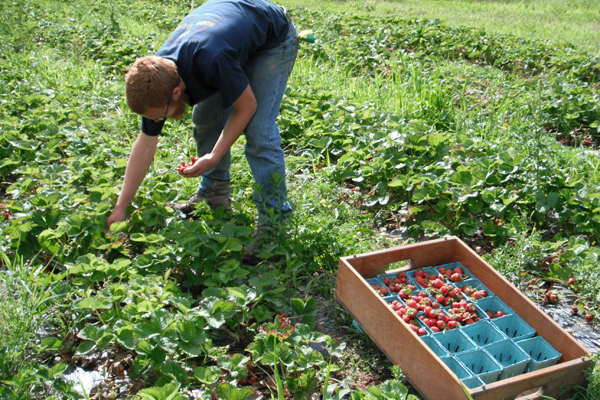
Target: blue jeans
x: 268, y: 72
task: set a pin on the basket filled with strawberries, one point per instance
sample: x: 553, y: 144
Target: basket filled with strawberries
x: 444, y: 293
x: 424, y: 277
x: 378, y: 287
x: 438, y: 320
x: 465, y: 313
x: 454, y: 272
x: 398, y: 283
x: 473, y: 289
x: 408, y: 314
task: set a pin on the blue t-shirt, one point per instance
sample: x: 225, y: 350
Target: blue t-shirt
x: 212, y: 44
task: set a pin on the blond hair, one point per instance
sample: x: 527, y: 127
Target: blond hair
x: 150, y: 83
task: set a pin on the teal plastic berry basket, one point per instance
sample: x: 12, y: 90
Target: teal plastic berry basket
x: 409, y: 280
x: 375, y: 281
x: 472, y: 382
x: 455, y: 366
x: 493, y: 305
x: 454, y: 341
x: 453, y: 266
x: 475, y: 284
x: 429, y: 270
x: 478, y: 312
x: 510, y: 356
x: 483, y: 333
x: 541, y: 353
x: 514, y: 327
x: 435, y: 346
x: 481, y: 364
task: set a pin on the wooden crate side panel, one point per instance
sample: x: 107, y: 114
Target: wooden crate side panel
x: 424, y: 254
x: 550, y: 379
x: 545, y: 326
x: 402, y: 347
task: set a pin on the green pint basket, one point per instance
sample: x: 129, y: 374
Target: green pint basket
x: 455, y: 366
x: 375, y: 281
x: 481, y: 364
x: 453, y: 266
x: 514, y: 327
x: 454, y: 341
x: 510, y: 356
x: 483, y: 333
x: 541, y: 353
x: 434, y: 346
x: 472, y: 382
x: 429, y: 270
x: 493, y: 305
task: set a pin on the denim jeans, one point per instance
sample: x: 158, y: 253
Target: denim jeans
x: 268, y: 72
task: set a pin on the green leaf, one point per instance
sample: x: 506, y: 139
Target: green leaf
x: 90, y: 332
x: 170, y: 391
x: 310, y: 321
x: 228, y: 392
x: 310, y: 308
x: 48, y: 240
x: 125, y: 338
x: 297, y: 306
x: 262, y: 313
x: 58, y: 369
x: 208, y: 375
x: 118, y: 227
x: 85, y: 347
x: 94, y: 303
x: 50, y: 344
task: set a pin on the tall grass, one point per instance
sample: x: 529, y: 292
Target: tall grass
x: 559, y: 21
x: 27, y: 305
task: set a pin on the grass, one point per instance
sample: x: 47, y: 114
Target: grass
x: 570, y: 21
x: 28, y: 306
x: 499, y: 111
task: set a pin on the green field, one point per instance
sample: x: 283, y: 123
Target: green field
x: 479, y: 119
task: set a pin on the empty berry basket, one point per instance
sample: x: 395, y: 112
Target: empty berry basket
x: 472, y: 382
x: 458, y: 368
x: 512, y: 358
x: 483, y: 333
x: 481, y: 364
x: 434, y: 346
x: 514, y: 327
x: 541, y: 353
x: 454, y: 341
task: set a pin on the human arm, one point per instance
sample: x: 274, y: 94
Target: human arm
x: 140, y: 159
x: 243, y: 110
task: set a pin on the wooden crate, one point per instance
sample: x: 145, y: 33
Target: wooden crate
x: 424, y: 370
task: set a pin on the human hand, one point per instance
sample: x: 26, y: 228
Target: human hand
x: 197, y: 167
x: 117, y: 215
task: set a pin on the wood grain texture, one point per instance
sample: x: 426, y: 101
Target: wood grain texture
x: 404, y: 348
x: 400, y: 344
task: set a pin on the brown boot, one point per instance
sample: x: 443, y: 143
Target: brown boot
x: 213, y: 201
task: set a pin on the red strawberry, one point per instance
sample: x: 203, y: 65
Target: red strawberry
x: 574, y: 308
x: 589, y: 317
